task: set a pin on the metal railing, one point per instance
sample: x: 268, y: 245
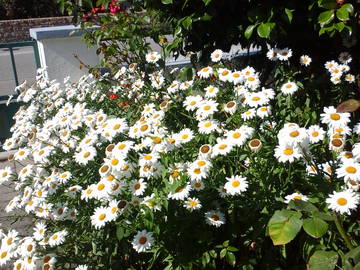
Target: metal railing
x: 12, y: 45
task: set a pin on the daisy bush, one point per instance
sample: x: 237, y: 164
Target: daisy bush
x: 214, y: 168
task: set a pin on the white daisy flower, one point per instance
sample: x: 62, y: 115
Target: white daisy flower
x: 349, y: 170
x: 205, y: 72
x: 230, y: 107
x: 305, y: 60
x: 192, y: 204
x: 343, y: 202
x: 180, y: 193
x: 216, y: 55
x: 333, y: 118
x: 287, y: 153
x: 295, y: 196
x: 235, y: 184
x: 315, y: 133
x: 211, y: 91
x: 215, y: 218
x: 284, y: 54
x: 143, y: 241
x: 138, y: 187
x: 152, y: 57
x: 224, y: 74
x: 289, y: 88
x: 100, y: 217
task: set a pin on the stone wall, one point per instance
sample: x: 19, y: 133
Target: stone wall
x: 18, y: 30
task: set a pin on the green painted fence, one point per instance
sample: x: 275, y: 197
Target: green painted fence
x: 7, y: 112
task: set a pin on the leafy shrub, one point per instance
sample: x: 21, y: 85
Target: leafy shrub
x: 152, y: 168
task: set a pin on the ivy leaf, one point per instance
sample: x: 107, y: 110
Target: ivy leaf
x: 264, y: 29
x: 249, y: 30
x: 326, y: 17
x: 323, y: 260
x: 350, y: 105
x: 315, y: 227
x: 289, y: 14
x: 283, y: 226
x: 166, y: 2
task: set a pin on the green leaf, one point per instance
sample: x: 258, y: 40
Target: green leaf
x: 350, y: 105
x: 342, y: 14
x: 323, y: 260
x: 119, y: 232
x: 223, y: 253
x: 326, y: 17
x: 206, y: 2
x: 283, y: 226
x: 328, y: 4
x: 323, y: 216
x: 315, y: 227
x: 340, y: 26
x: 302, y: 206
x: 264, y: 29
x: 349, y: 8
x: 233, y: 249
x: 166, y: 2
x: 351, y: 258
x: 249, y: 30
x: 289, y: 14
x: 187, y: 21
x: 230, y: 258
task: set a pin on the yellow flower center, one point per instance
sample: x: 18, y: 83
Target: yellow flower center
x: 114, y: 162
x: 102, y: 216
x: 294, y: 134
x: 87, y: 154
x: 236, y: 183
x: 143, y: 128
x: 192, y: 103
x: 148, y: 157
x: 137, y: 186
x: 342, y: 201
x: 350, y: 169
x: 288, y: 151
x: 201, y: 163
x: 207, y: 107
x: 222, y: 146
x: 315, y: 134
x: 297, y: 197
x: 334, y: 116
x: 101, y: 187
x: 236, y: 135
x: 3, y: 255
x: 192, y: 203
x: 185, y: 136
x: 255, y: 99
x: 208, y: 124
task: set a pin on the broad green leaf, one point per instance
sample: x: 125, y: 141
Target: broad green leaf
x: 166, y: 2
x: 283, y: 226
x: 342, y: 14
x: 350, y: 105
x: 326, y: 17
x: 249, y: 30
x: 348, y: 7
x: 264, y: 29
x: 119, y: 232
x: 230, y: 258
x: 340, y: 26
x: 223, y: 253
x: 315, y: 227
x: 289, y: 14
x: 323, y: 260
x: 328, y: 4
x: 302, y: 206
x: 323, y: 216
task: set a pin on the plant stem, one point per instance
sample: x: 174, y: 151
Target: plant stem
x: 342, y: 232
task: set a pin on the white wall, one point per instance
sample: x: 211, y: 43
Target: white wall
x: 58, y: 55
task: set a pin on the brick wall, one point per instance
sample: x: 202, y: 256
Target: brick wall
x: 18, y: 30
